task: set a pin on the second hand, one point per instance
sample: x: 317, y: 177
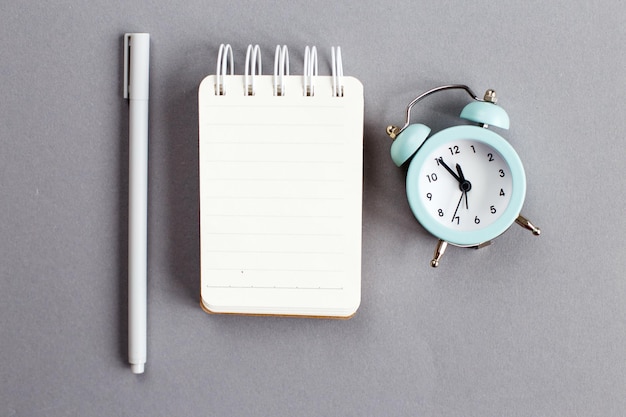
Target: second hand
x: 457, y: 207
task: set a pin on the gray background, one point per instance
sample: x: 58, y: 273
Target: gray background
x: 527, y: 327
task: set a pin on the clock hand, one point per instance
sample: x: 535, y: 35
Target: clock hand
x: 464, y: 185
x: 460, y: 171
x: 456, y: 177
x: 458, y: 205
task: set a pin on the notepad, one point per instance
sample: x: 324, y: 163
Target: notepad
x: 281, y: 194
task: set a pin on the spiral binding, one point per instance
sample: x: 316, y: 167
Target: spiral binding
x: 337, y: 71
x: 281, y: 69
x: 310, y: 70
x: 224, y: 53
x: 253, y: 67
x: 225, y: 66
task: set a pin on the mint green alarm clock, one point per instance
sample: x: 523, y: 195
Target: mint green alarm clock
x: 465, y: 184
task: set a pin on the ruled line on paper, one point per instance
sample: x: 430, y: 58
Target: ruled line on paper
x: 277, y: 179
x: 278, y: 270
x: 226, y: 197
x: 309, y: 107
x: 285, y: 142
x: 273, y: 234
x: 272, y: 288
x: 282, y: 252
x: 276, y: 125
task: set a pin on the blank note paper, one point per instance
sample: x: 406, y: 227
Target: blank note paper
x: 280, y: 197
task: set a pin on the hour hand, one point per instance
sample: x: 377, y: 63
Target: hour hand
x: 460, y: 171
x: 465, y: 185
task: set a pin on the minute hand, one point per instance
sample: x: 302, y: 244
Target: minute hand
x: 456, y: 177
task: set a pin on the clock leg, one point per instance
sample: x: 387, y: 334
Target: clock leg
x: 439, y: 250
x: 526, y: 224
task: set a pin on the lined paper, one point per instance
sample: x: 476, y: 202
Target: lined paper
x: 280, y: 198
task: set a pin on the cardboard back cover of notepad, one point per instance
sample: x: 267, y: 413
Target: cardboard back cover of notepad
x: 281, y: 197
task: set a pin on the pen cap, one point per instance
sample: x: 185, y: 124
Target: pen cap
x: 136, y: 65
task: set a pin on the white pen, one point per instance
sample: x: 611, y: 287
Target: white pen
x: 136, y: 77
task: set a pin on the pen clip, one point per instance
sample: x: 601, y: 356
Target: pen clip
x: 126, y: 63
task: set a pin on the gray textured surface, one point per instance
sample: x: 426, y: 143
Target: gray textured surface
x: 527, y: 327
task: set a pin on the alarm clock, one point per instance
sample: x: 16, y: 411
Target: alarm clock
x: 465, y: 184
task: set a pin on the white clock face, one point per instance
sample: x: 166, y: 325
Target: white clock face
x: 465, y: 185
